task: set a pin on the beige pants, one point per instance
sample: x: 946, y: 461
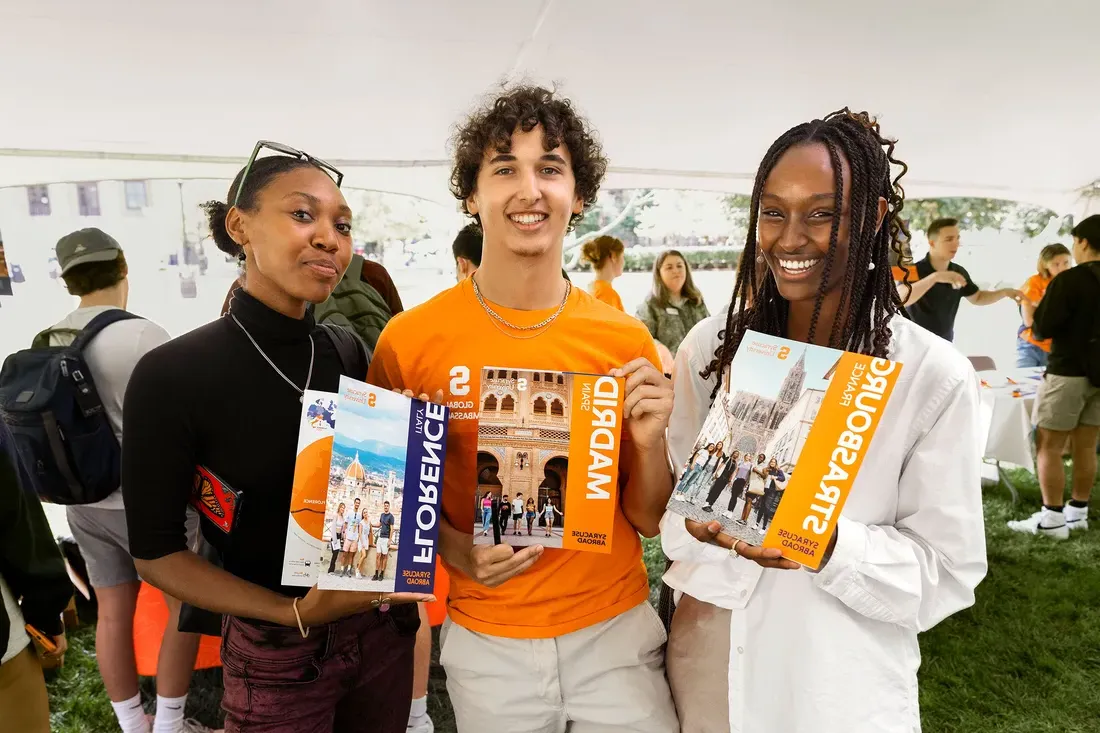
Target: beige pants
x: 698, y: 666
x: 24, y: 705
x: 608, y: 678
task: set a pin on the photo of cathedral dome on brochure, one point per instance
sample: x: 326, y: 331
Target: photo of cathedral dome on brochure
x: 765, y: 450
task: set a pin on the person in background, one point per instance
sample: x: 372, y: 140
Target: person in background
x: 467, y: 251
x: 908, y: 548
x: 1030, y: 351
x: 673, y: 307
x: 933, y: 300
x: 94, y: 268
x: 607, y: 257
x: 34, y: 590
x: 1067, y: 405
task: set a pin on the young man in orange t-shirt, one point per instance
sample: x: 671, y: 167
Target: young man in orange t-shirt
x: 539, y: 638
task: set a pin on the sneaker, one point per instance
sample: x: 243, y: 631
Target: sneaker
x: 358, y: 575
x: 423, y: 724
x: 1043, y: 522
x: 1076, y: 517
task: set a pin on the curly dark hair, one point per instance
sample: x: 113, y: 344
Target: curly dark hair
x: 93, y: 276
x: 869, y: 284
x: 524, y: 107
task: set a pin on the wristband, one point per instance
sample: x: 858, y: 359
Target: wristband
x: 304, y: 631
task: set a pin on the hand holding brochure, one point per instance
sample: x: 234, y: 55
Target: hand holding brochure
x: 548, y: 459
x: 368, y: 517
x: 782, y: 444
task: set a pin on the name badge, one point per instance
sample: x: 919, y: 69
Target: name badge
x: 672, y: 311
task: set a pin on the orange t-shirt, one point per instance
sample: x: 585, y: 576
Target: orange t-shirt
x: 1035, y: 288
x: 444, y: 344
x: 604, y: 291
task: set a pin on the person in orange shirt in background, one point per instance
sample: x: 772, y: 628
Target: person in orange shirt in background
x: 606, y: 254
x: 1030, y: 351
x: 539, y: 639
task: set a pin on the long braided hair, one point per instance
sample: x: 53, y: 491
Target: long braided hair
x: 868, y: 290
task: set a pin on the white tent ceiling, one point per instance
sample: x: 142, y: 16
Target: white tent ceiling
x: 988, y: 98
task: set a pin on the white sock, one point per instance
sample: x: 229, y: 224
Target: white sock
x: 419, y: 707
x: 169, y: 714
x: 131, y: 716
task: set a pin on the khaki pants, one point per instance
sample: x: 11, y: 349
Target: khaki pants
x: 607, y: 678
x: 24, y: 705
x: 698, y: 666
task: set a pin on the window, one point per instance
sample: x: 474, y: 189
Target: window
x: 549, y: 378
x: 540, y: 406
x: 557, y: 409
x: 38, y: 199
x: 87, y: 199
x: 508, y: 404
x: 502, y: 374
x: 515, y: 375
x: 561, y: 379
x: 490, y: 403
x: 538, y: 377
x: 136, y: 195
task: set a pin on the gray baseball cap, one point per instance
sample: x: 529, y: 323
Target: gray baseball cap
x: 84, y: 246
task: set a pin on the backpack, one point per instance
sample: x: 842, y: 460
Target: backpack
x: 355, y: 305
x: 1092, y: 350
x: 52, y: 409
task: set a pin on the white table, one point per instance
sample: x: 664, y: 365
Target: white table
x: 1007, y: 398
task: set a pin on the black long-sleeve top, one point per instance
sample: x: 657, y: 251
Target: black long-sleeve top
x: 209, y: 398
x: 30, y: 562
x: 1068, y: 314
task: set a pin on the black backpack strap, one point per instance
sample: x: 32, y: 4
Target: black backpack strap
x: 100, y: 322
x: 354, y: 355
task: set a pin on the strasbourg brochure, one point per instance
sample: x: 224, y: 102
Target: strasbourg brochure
x: 784, y: 404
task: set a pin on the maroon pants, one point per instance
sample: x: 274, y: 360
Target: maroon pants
x: 352, y: 676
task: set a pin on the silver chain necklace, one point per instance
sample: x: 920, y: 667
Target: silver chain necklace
x: 309, y: 375
x: 537, y: 326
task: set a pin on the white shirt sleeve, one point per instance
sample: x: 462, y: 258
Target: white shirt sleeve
x: 689, y: 412
x: 926, y: 566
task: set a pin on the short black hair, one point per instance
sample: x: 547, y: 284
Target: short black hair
x: 93, y: 276
x: 1089, y: 231
x: 468, y: 244
x: 263, y: 172
x: 938, y: 224
x: 523, y: 108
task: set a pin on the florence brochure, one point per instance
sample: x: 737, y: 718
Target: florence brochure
x: 383, y: 490
x: 783, y: 442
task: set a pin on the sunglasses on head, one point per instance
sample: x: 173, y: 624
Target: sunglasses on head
x: 293, y: 153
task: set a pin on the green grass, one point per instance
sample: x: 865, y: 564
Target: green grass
x: 1024, y: 659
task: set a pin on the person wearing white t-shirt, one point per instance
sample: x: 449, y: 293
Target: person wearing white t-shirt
x: 94, y: 268
x: 908, y: 548
x: 517, y: 514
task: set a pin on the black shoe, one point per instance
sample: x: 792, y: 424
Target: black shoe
x: 707, y: 508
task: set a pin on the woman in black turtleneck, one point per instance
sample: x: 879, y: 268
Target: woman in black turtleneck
x: 227, y: 397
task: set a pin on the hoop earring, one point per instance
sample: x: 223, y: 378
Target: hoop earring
x: 759, y: 258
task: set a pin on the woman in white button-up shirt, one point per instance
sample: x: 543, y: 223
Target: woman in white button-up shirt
x: 834, y: 651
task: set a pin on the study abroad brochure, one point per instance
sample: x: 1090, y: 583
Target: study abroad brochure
x: 548, y: 458
x: 784, y: 405
x: 367, y: 491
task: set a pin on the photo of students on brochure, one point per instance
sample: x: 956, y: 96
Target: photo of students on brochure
x: 749, y: 446
x: 522, y: 457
